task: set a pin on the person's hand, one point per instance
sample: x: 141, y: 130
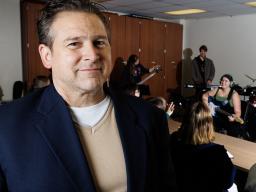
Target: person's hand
x: 212, y: 108
x: 231, y: 118
x: 151, y: 69
x: 209, y: 82
x: 170, y: 109
x: 156, y: 69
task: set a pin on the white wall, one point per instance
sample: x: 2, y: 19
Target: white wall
x: 231, y: 43
x: 10, y: 46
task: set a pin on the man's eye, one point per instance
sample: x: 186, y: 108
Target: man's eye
x: 73, y: 44
x: 99, y: 43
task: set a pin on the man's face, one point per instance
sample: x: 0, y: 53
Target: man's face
x: 203, y: 53
x: 80, y: 57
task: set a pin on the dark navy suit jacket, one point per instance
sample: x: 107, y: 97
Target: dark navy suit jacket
x: 40, y: 150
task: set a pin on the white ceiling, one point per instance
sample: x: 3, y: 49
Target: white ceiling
x: 155, y: 8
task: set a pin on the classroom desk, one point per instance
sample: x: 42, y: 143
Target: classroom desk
x: 244, y: 152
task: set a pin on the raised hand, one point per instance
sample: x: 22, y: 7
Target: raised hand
x: 170, y: 109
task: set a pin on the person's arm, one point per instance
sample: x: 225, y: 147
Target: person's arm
x: 151, y: 70
x: 155, y: 68
x: 208, y: 94
x: 212, y: 71
x: 144, y: 70
x: 237, y: 106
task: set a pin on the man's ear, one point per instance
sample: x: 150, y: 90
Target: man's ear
x: 46, y: 55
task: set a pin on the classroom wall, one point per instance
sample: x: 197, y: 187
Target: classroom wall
x: 231, y: 43
x: 10, y: 46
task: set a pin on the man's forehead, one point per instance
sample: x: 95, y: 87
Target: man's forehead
x: 76, y: 24
x: 80, y: 16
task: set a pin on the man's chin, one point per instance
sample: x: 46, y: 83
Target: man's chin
x: 92, y: 87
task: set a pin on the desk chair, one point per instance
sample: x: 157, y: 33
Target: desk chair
x: 250, y: 185
x: 18, y: 88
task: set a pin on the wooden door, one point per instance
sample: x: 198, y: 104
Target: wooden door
x: 117, y: 33
x: 132, y: 36
x: 173, y: 55
x: 158, y: 39
x: 32, y: 64
x: 145, y: 42
x: 152, y: 53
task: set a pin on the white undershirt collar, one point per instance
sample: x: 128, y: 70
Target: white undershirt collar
x: 90, y: 116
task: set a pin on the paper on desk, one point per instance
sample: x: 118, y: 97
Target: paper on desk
x: 230, y: 155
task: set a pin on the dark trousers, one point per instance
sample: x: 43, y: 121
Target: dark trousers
x: 222, y: 125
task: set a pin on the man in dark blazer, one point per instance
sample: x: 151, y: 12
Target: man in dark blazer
x: 46, y: 145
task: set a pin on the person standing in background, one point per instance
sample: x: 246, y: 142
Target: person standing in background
x: 136, y: 71
x: 203, y: 71
x: 39, y: 82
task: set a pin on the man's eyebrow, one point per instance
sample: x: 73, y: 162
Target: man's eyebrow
x: 74, y: 38
x: 85, y: 37
x: 101, y: 37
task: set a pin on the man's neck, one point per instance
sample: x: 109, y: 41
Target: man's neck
x: 202, y: 58
x: 82, y: 99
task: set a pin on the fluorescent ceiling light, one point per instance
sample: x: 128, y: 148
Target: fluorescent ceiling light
x: 185, y: 12
x: 253, y: 4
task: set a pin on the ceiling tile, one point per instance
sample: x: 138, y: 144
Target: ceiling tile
x: 155, y: 8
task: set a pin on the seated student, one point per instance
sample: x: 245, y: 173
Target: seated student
x: 132, y: 90
x: 40, y: 81
x: 18, y: 90
x: 200, y: 165
x: 161, y: 103
x: 228, y: 100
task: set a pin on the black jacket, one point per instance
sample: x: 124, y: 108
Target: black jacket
x: 40, y: 149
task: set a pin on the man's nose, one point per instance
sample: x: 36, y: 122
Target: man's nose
x: 90, y: 52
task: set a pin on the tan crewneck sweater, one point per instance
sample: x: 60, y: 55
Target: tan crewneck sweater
x: 103, y: 149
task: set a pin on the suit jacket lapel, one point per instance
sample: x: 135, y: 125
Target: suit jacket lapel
x: 56, y: 128
x: 133, y: 138
x: 55, y: 125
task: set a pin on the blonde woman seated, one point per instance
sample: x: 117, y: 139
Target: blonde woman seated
x: 200, y: 165
x: 228, y: 100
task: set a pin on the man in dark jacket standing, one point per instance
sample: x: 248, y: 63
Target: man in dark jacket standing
x: 74, y: 135
x: 203, y: 70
